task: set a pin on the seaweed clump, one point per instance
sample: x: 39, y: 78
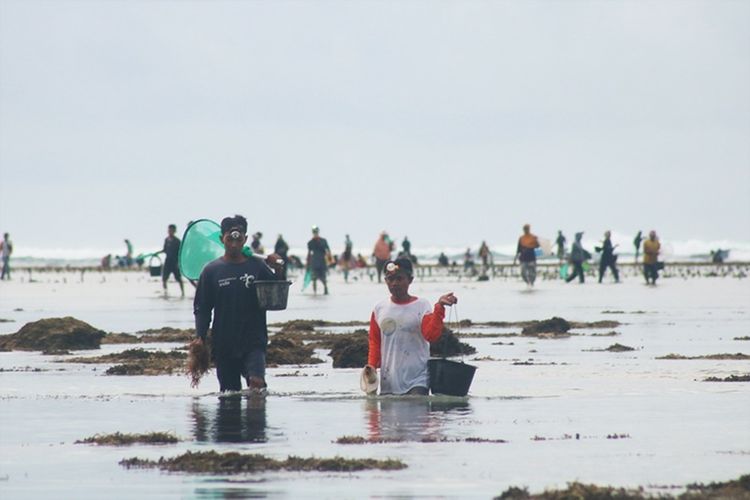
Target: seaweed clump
x: 449, y: 345
x: 53, y: 336
x: 198, y: 362
x: 164, y: 334
x: 730, y: 378
x: 237, y: 463
x: 288, y: 350
x: 350, y: 351
x: 717, y: 357
x: 734, y: 489
x: 554, y: 325
x: 138, y: 362
x: 120, y: 439
x: 575, y: 490
x: 613, y: 348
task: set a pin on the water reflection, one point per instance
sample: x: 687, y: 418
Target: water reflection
x: 234, y: 419
x: 411, y: 418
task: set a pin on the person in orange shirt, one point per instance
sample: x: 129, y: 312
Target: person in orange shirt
x: 651, y: 249
x: 382, y: 253
x: 525, y: 252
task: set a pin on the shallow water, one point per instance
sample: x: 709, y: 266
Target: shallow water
x: 678, y: 429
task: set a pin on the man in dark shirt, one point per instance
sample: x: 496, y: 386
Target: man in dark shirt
x: 281, y: 248
x: 318, y: 254
x: 609, y: 259
x: 171, y: 251
x: 239, y: 334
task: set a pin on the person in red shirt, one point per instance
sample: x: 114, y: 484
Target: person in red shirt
x: 401, y: 329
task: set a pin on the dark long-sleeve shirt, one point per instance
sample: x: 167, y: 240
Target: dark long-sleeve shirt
x: 171, y: 250
x: 225, y: 289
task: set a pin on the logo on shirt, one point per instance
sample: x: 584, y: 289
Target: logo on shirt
x: 388, y: 326
x: 226, y: 281
x: 248, y: 279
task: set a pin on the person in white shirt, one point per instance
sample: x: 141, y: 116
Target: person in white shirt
x: 401, y: 329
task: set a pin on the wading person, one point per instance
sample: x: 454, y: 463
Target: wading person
x: 637, y: 244
x: 525, y: 253
x: 171, y: 252
x: 382, y: 253
x: 560, y: 241
x: 651, y: 249
x: 401, y: 329
x: 281, y: 248
x: 609, y: 259
x: 238, y: 333
x: 6, y: 249
x: 318, y: 255
x: 347, y: 259
x: 578, y: 255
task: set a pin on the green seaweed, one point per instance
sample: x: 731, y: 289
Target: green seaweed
x: 212, y: 462
x: 120, y: 439
x: 718, y: 357
x: 737, y: 489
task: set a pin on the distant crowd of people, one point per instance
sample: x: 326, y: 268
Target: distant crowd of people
x: 573, y: 262
x: 320, y: 259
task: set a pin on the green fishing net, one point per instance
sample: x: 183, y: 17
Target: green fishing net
x: 201, y: 244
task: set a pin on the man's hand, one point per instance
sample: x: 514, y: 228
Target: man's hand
x: 448, y: 299
x: 275, y: 261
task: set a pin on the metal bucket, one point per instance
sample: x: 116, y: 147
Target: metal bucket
x: 272, y: 294
x: 154, y: 269
x: 450, y: 377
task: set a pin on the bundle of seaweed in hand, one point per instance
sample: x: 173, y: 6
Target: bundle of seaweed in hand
x: 198, y: 361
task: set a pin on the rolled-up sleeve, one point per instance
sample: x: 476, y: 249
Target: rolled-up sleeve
x: 432, y: 323
x: 373, y: 351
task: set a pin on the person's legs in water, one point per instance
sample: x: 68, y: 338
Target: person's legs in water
x: 532, y: 273
x: 572, y: 275
x: 165, y: 271
x: 6, y: 268
x: 602, y: 269
x: 254, y: 369
x: 379, y: 267
x: 615, y: 272
x: 228, y: 371
x: 178, y: 277
x: 579, y: 270
x: 525, y: 272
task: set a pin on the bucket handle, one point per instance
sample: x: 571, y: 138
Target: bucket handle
x: 453, y: 313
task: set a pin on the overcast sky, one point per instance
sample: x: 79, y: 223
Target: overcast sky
x: 449, y: 121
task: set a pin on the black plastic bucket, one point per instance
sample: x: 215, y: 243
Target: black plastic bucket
x: 272, y: 294
x: 154, y: 269
x: 450, y: 377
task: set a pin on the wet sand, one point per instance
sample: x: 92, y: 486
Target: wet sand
x: 541, y: 411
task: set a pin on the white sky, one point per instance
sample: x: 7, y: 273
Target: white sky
x: 449, y: 121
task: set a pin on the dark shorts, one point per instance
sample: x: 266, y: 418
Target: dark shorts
x: 171, y: 269
x: 318, y: 273
x: 379, y: 264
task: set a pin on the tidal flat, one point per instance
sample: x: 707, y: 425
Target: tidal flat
x: 541, y: 412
